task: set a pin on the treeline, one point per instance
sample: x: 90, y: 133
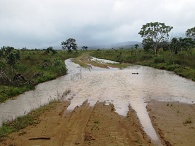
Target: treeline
x: 156, y: 36
x: 182, y: 63
x: 22, y: 69
x: 159, y: 50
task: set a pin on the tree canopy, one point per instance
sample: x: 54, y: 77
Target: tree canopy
x: 191, y: 32
x: 69, y: 44
x: 84, y: 48
x: 156, y: 32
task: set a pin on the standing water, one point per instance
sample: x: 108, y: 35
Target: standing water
x: 132, y: 86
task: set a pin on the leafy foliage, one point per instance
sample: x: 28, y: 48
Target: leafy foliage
x: 22, y: 69
x: 136, y: 46
x: 191, y: 32
x: 50, y: 49
x: 147, y: 44
x: 175, y: 45
x: 69, y: 44
x: 84, y: 48
x: 155, y: 32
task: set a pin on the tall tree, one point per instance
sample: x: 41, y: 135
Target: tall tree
x: 155, y: 31
x: 69, y: 44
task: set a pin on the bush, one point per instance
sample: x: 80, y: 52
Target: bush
x: 146, y: 57
x: 170, y: 67
x: 159, y: 60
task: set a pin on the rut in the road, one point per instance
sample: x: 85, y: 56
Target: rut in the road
x: 76, y: 123
x: 100, y: 125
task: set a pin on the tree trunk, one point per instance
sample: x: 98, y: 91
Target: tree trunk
x: 155, y: 49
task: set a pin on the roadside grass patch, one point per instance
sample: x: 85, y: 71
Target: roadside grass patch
x: 86, y: 62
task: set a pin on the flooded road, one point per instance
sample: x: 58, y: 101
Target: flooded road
x: 134, y: 86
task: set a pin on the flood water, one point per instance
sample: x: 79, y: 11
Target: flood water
x: 119, y: 87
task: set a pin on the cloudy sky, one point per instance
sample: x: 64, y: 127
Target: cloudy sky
x: 43, y: 23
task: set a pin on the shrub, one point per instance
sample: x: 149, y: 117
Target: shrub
x: 146, y: 57
x: 159, y: 60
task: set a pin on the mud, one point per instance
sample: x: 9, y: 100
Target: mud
x: 85, y: 125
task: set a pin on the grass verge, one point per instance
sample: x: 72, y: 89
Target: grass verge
x: 33, y: 67
x: 85, y: 61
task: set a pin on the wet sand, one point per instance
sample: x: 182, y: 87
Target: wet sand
x: 174, y: 122
x: 85, y: 125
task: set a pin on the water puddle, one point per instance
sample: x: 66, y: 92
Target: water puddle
x: 133, y: 86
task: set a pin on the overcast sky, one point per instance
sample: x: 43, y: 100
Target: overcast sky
x: 44, y: 23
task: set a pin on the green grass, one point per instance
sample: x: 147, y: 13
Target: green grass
x: 8, y: 92
x: 85, y: 61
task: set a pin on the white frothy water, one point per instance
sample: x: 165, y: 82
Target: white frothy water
x: 119, y: 87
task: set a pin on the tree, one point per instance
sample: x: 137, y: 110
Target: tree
x: 164, y: 45
x: 11, y: 59
x: 175, y: 45
x: 191, y: 33
x: 186, y: 43
x: 6, y: 50
x: 136, y: 46
x: 69, y: 44
x: 84, y: 48
x: 155, y: 31
x: 51, y: 49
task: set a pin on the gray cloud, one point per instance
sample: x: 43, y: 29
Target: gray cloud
x: 35, y: 23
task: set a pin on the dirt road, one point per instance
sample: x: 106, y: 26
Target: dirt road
x: 85, y: 125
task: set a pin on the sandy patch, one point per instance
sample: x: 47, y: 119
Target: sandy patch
x: 175, y: 122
